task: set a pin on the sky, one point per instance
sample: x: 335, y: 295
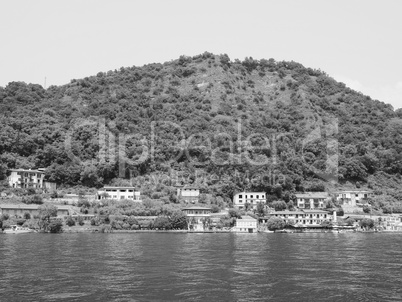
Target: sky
x: 354, y: 41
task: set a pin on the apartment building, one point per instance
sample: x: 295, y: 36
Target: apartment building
x: 188, y: 194
x: 311, y: 200
x: 27, y: 178
x: 251, y: 198
x: 109, y: 192
x: 352, y: 198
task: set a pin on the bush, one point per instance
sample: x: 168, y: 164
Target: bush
x: 135, y: 227
x: 4, y: 217
x: 275, y: 223
x: 70, y: 221
x: 55, y: 226
x: 81, y: 220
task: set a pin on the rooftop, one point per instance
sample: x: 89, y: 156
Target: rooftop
x: 29, y: 206
x: 246, y: 217
x: 353, y: 191
x: 28, y: 170
x: 288, y: 212
x: 250, y: 193
x: 112, y: 187
x: 312, y: 195
x: 196, y: 208
x: 315, y: 211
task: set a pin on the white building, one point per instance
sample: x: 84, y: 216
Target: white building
x: 246, y: 224
x: 199, y: 218
x: 303, y: 218
x: 119, y: 193
x: 251, y: 198
x: 311, y: 200
x: 26, y: 178
x: 188, y: 194
x: 351, y: 198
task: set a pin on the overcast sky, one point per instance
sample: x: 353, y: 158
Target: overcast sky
x: 357, y: 42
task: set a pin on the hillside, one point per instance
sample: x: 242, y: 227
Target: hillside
x: 246, y: 123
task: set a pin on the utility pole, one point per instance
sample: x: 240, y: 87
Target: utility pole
x: 45, y: 82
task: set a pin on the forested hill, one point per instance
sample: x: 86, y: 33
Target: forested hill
x: 309, y: 121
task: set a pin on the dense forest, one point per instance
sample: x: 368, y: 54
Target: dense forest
x: 206, y: 120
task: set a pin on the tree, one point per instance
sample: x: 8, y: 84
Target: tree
x: 46, y: 212
x: 70, y: 221
x: 350, y: 221
x: 366, y: 209
x: 234, y: 213
x: 279, y: 205
x: 206, y: 222
x: 260, y: 209
x: 327, y: 224
x: 367, y: 223
x: 55, y: 226
x: 275, y: 223
x: 178, y: 220
x: 162, y: 223
x: 81, y: 221
x: 215, y: 208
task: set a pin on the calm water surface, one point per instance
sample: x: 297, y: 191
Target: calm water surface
x: 201, y: 267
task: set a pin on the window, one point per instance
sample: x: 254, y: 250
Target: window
x: 240, y: 196
x: 251, y: 196
x: 257, y: 196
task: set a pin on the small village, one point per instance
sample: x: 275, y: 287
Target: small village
x: 249, y: 212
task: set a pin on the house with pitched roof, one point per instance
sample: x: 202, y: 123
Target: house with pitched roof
x: 311, y: 200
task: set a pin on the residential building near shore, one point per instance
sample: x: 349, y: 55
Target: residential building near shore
x: 197, y: 217
x: 306, y: 217
x: 19, y: 210
x: 246, y: 224
x: 116, y: 193
x: 27, y: 178
x: 249, y: 199
x: 311, y: 200
x: 188, y: 194
x: 352, y: 198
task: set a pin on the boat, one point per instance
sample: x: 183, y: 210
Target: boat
x: 15, y: 229
x: 267, y: 231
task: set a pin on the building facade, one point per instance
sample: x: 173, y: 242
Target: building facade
x: 252, y: 199
x: 198, y: 218
x: 188, y: 194
x: 27, y: 178
x: 312, y: 200
x: 19, y: 210
x: 302, y: 217
x: 352, y: 198
x: 119, y: 193
x: 246, y: 224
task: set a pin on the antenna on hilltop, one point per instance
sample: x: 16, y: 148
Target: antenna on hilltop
x: 45, y: 82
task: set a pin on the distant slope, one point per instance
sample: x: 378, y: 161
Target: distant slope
x: 311, y: 122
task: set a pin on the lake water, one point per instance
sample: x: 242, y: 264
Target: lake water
x: 201, y: 267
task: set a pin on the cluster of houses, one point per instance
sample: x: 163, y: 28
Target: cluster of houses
x: 310, y: 211
x: 310, y: 214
